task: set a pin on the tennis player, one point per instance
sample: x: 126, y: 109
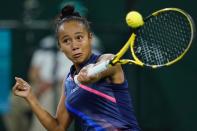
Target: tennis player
x: 101, y: 102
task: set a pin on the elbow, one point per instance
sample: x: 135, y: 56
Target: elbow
x: 56, y: 127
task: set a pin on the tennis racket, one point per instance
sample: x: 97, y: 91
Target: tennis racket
x: 164, y: 39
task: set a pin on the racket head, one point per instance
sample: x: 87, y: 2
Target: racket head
x: 164, y: 38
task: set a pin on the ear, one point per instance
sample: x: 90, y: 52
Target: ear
x: 90, y: 35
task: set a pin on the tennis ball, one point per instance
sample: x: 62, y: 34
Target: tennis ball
x: 134, y: 19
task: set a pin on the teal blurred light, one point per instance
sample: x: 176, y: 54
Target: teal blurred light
x: 5, y: 69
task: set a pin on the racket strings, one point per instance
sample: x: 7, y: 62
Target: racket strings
x: 163, y: 38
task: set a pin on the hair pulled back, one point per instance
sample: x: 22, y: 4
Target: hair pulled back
x: 67, y: 14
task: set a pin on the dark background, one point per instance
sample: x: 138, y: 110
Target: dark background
x: 165, y: 99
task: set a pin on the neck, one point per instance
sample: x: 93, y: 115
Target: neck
x: 78, y: 66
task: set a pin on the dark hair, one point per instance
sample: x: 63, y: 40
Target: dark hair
x: 68, y: 13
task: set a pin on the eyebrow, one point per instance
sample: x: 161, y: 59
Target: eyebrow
x: 78, y: 33
x: 66, y: 36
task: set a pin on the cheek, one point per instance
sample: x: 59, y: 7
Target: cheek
x: 87, y: 46
x: 65, y: 50
x: 86, y: 49
x: 67, y: 54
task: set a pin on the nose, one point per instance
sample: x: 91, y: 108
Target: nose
x: 75, y: 45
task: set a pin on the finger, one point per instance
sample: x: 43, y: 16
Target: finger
x: 82, y: 78
x: 83, y: 73
x: 18, y: 93
x: 17, y: 90
x: 15, y: 86
x: 22, y: 83
x: 20, y: 80
x: 21, y: 88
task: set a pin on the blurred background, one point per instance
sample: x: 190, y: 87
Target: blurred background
x: 164, y: 99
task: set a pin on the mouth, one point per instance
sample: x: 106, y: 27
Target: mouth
x: 77, y: 55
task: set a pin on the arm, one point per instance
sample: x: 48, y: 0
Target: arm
x: 59, y: 123
x: 114, y: 74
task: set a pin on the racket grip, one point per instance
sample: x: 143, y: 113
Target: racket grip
x: 98, y: 68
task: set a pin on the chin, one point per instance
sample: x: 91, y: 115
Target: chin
x: 78, y: 61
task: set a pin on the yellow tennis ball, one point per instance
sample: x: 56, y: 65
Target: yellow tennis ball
x: 134, y: 19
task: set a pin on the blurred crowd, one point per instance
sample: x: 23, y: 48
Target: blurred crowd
x: 46, y: 71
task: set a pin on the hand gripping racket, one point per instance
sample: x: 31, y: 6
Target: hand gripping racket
x: 164, y: 39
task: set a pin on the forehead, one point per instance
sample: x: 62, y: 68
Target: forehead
x: 70, y: 27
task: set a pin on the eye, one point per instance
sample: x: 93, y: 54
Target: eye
x: 66, y: 41
x: 79, y: 37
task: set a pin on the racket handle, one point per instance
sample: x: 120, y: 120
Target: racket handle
x: 98, y: 68
x: 94, y: 70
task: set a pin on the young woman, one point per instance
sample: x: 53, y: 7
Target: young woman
x: 101, y: 102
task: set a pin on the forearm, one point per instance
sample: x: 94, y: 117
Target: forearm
x: 59, y: 123
x: 47, y: 120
